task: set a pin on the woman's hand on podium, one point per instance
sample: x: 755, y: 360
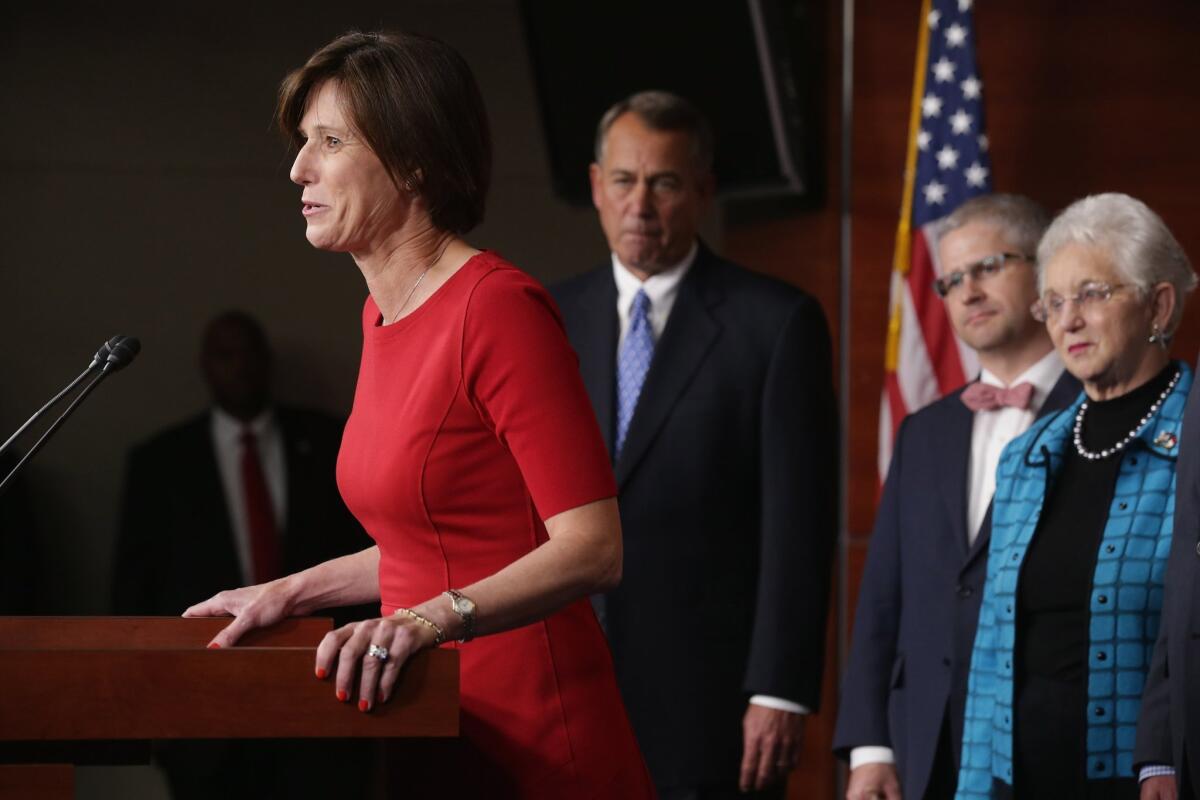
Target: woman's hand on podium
x: 371, y: 653
x: 343, y: 581
x: 251, y: 607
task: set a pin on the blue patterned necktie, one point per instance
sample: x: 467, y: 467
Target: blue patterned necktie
x: 633, y: 362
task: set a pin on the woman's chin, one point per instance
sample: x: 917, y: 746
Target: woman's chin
x: 321, y: 241
x: 1085, y: 371
x: 1080, y: 360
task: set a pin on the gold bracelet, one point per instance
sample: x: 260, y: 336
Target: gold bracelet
x: 428, y: 623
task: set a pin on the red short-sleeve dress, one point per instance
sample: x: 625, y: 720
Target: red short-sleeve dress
x: 470, y: 426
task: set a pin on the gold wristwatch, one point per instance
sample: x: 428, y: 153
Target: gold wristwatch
x: 465, y: 608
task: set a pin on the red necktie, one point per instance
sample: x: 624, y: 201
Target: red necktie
x: 985, y: 397
x: 260, y: 515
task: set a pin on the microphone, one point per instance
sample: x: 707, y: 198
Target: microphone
x: 120, y: 351
x: 113, y: 355
x: 103, y: 353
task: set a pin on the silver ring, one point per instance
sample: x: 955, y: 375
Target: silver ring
x: 378, y: 652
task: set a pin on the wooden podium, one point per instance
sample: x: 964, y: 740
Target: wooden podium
x: 88, y: 679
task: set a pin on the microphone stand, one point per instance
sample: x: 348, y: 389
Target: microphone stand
x: 112, y: 356
x: 45, y: 408
x: 55, y: 426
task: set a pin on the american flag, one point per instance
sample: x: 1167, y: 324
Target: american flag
x: 947, y: 163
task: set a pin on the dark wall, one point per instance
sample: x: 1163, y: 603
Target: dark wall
x: 1080, y: 98
x: 1077, y: 102
x: 145, y: 190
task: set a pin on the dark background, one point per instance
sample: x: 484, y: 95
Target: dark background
x: 143, y: 190
x: 575, y: 75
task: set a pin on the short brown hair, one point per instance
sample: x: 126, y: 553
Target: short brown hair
x: 415, y: 102
x: 662, y: 111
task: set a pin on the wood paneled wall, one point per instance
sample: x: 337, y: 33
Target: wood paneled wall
x: 1080, y: 98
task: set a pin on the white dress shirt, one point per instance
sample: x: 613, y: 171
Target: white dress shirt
x: 662, y: 288
x: 990, y: 432
x: 226, y: 436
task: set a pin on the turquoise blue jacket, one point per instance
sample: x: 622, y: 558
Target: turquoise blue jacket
x: 1126, y: 599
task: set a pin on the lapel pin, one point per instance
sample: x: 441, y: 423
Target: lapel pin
x: 1166, y: 440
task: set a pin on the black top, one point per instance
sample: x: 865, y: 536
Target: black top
x: 1056, y: 578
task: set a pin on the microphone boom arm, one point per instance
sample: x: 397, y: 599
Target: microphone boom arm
x: 54, y: 400
x: 113, y: 355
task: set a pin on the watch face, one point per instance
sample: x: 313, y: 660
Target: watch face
x: 464, y: 606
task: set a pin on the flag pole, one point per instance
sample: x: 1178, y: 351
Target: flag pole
x: 902, y: 257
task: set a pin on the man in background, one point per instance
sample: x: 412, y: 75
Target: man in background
x: 713, y: 388
x: 241, y: 493
x: 903, y: 699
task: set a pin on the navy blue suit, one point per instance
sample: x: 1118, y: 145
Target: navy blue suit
x: 727, y: 485
x: 919, y: 601
x: 1169, y: 724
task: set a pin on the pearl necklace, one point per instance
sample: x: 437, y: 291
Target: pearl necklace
x: 1121, y: 445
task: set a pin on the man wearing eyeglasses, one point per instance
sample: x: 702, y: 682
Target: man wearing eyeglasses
x: 900, y: 721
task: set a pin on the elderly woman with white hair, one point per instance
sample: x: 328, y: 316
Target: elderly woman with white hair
x: 1081, y: 521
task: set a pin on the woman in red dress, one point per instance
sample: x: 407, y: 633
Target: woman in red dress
x: 471, y: 454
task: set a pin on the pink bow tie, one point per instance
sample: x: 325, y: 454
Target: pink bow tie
x: 985, y: 397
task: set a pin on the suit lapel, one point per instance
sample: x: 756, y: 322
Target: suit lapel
x: 205, y: 483
x: 207, y: 498
x: 690, y: 333
x: 596, y: 346
x: 955, y: 470
x: 980, y: 545
x: 1063, y: 393
x: 1065, y: 390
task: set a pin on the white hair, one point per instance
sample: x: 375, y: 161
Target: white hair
x: 1136, y: 239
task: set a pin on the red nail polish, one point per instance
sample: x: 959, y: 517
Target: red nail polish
x: 321, y: 673
x: 381, y: 698
x: 342, y: 696
x: 363, y: 705
x: 214, y: 646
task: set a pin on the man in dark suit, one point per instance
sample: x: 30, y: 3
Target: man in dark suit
x: 1168, y: 735
x: 713, y: 388
x: 240, y: 494
x: 904, y: 694
x: 184, y: 529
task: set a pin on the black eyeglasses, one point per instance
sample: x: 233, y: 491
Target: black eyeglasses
x: 980, y: 271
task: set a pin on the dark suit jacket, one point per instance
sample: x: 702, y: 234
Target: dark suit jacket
x: 918, y: 604
x: 176, y: 546
x: 728, y: 488
x: 1169, y: 723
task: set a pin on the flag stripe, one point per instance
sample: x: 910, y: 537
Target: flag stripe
x: 940, y: 341
x: 918, y: 380
x: 946, y: 163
